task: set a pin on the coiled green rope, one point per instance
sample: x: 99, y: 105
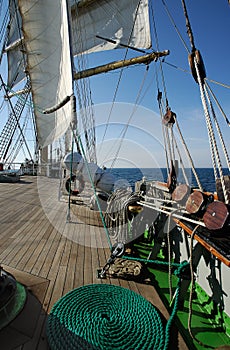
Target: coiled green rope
x: 103, y: 316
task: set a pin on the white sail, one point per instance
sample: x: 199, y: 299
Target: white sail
x: 125, y: 22
x: 46, y: 39
x: 16, y: 71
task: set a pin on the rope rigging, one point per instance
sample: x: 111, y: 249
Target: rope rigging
x: 169, y: 118
x: 120, y: 215
x: 11, y: 40
x: 123, y: 133
x: 198, y: 72
x: 84, y: 98
x: 121, y: 224
x: 125, y: 129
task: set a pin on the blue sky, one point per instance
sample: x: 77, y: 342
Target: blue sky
x: 209, y: 21
x: 143, y: 140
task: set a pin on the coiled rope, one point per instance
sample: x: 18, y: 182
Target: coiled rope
x: 104, y: 316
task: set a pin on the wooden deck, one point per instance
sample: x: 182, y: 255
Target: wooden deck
x: 51, y: 257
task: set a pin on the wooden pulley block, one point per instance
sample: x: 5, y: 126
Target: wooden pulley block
x: 181, y: 193
x: 195, y: 202
x: 169, y: 117
x: 216, y: 215
x: 196, y: 55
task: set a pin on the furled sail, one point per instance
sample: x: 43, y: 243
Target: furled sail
x: 125, y: 22
x: 46, y: 38
x: 14, y: 47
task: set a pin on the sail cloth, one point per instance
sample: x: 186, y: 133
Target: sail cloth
x: 46, y: 39
x: 124, y: 21
x: 14, y: 46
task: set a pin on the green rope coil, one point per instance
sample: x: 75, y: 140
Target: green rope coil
x: 104, y: 316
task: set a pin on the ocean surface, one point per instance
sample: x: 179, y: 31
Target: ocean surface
x: 128, y: 176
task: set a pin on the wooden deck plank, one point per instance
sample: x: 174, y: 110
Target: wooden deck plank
x: 48, y: 254
x: 36, y: 239
x: 71, y: 268
x: 28, y: 259
x: 41, y: 249
x: 17, y: 239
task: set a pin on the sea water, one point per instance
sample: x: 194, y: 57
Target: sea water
x: 128, y: 176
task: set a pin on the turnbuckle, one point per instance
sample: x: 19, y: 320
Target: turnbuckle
x: 116, y: 251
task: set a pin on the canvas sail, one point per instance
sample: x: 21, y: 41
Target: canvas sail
x: 46, y: 39
x: 125, y: 22
x: 14, y: 48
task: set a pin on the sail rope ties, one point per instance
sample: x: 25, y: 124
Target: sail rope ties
x: 188, y: 155
x: 212, y: 140
x: 105, y: 316
x: 199, y: 74
x: 119, y: 79
x: 84, y: 96
x: 217, y: 126
x: 168, y: 121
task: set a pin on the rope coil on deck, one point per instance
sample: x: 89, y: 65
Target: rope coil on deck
x: 103, y: 316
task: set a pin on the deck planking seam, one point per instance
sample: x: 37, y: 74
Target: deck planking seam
x: 33, y: 240
x: 71, y: 267
x: 41, y: 247
x: 14, y: 240
x: 67, y: 255
x: 22, y: 240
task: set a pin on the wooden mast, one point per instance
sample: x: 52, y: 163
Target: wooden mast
x: 120, y: 64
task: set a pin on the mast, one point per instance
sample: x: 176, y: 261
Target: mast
x: 120, y: 64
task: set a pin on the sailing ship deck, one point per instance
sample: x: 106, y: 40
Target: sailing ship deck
x: 50, y: 256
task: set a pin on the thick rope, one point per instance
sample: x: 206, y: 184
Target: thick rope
x: 169, y: 250
x: 172, y: 143
x: 104, y: 316
x: 169, y: 257
x: 175, y: 305
x: 188, y: 155
x: 180, y: 159
x: 160, y: 60
x: 212, y: 140
x: 222, y: 144
x: 164, y: 134
x: 217, y: 102
x: 207, y: 118
x: 167, y: 144
x: 117, y: 216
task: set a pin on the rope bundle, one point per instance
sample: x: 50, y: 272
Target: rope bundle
x: 117, y: 216
x: 102, y: 316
